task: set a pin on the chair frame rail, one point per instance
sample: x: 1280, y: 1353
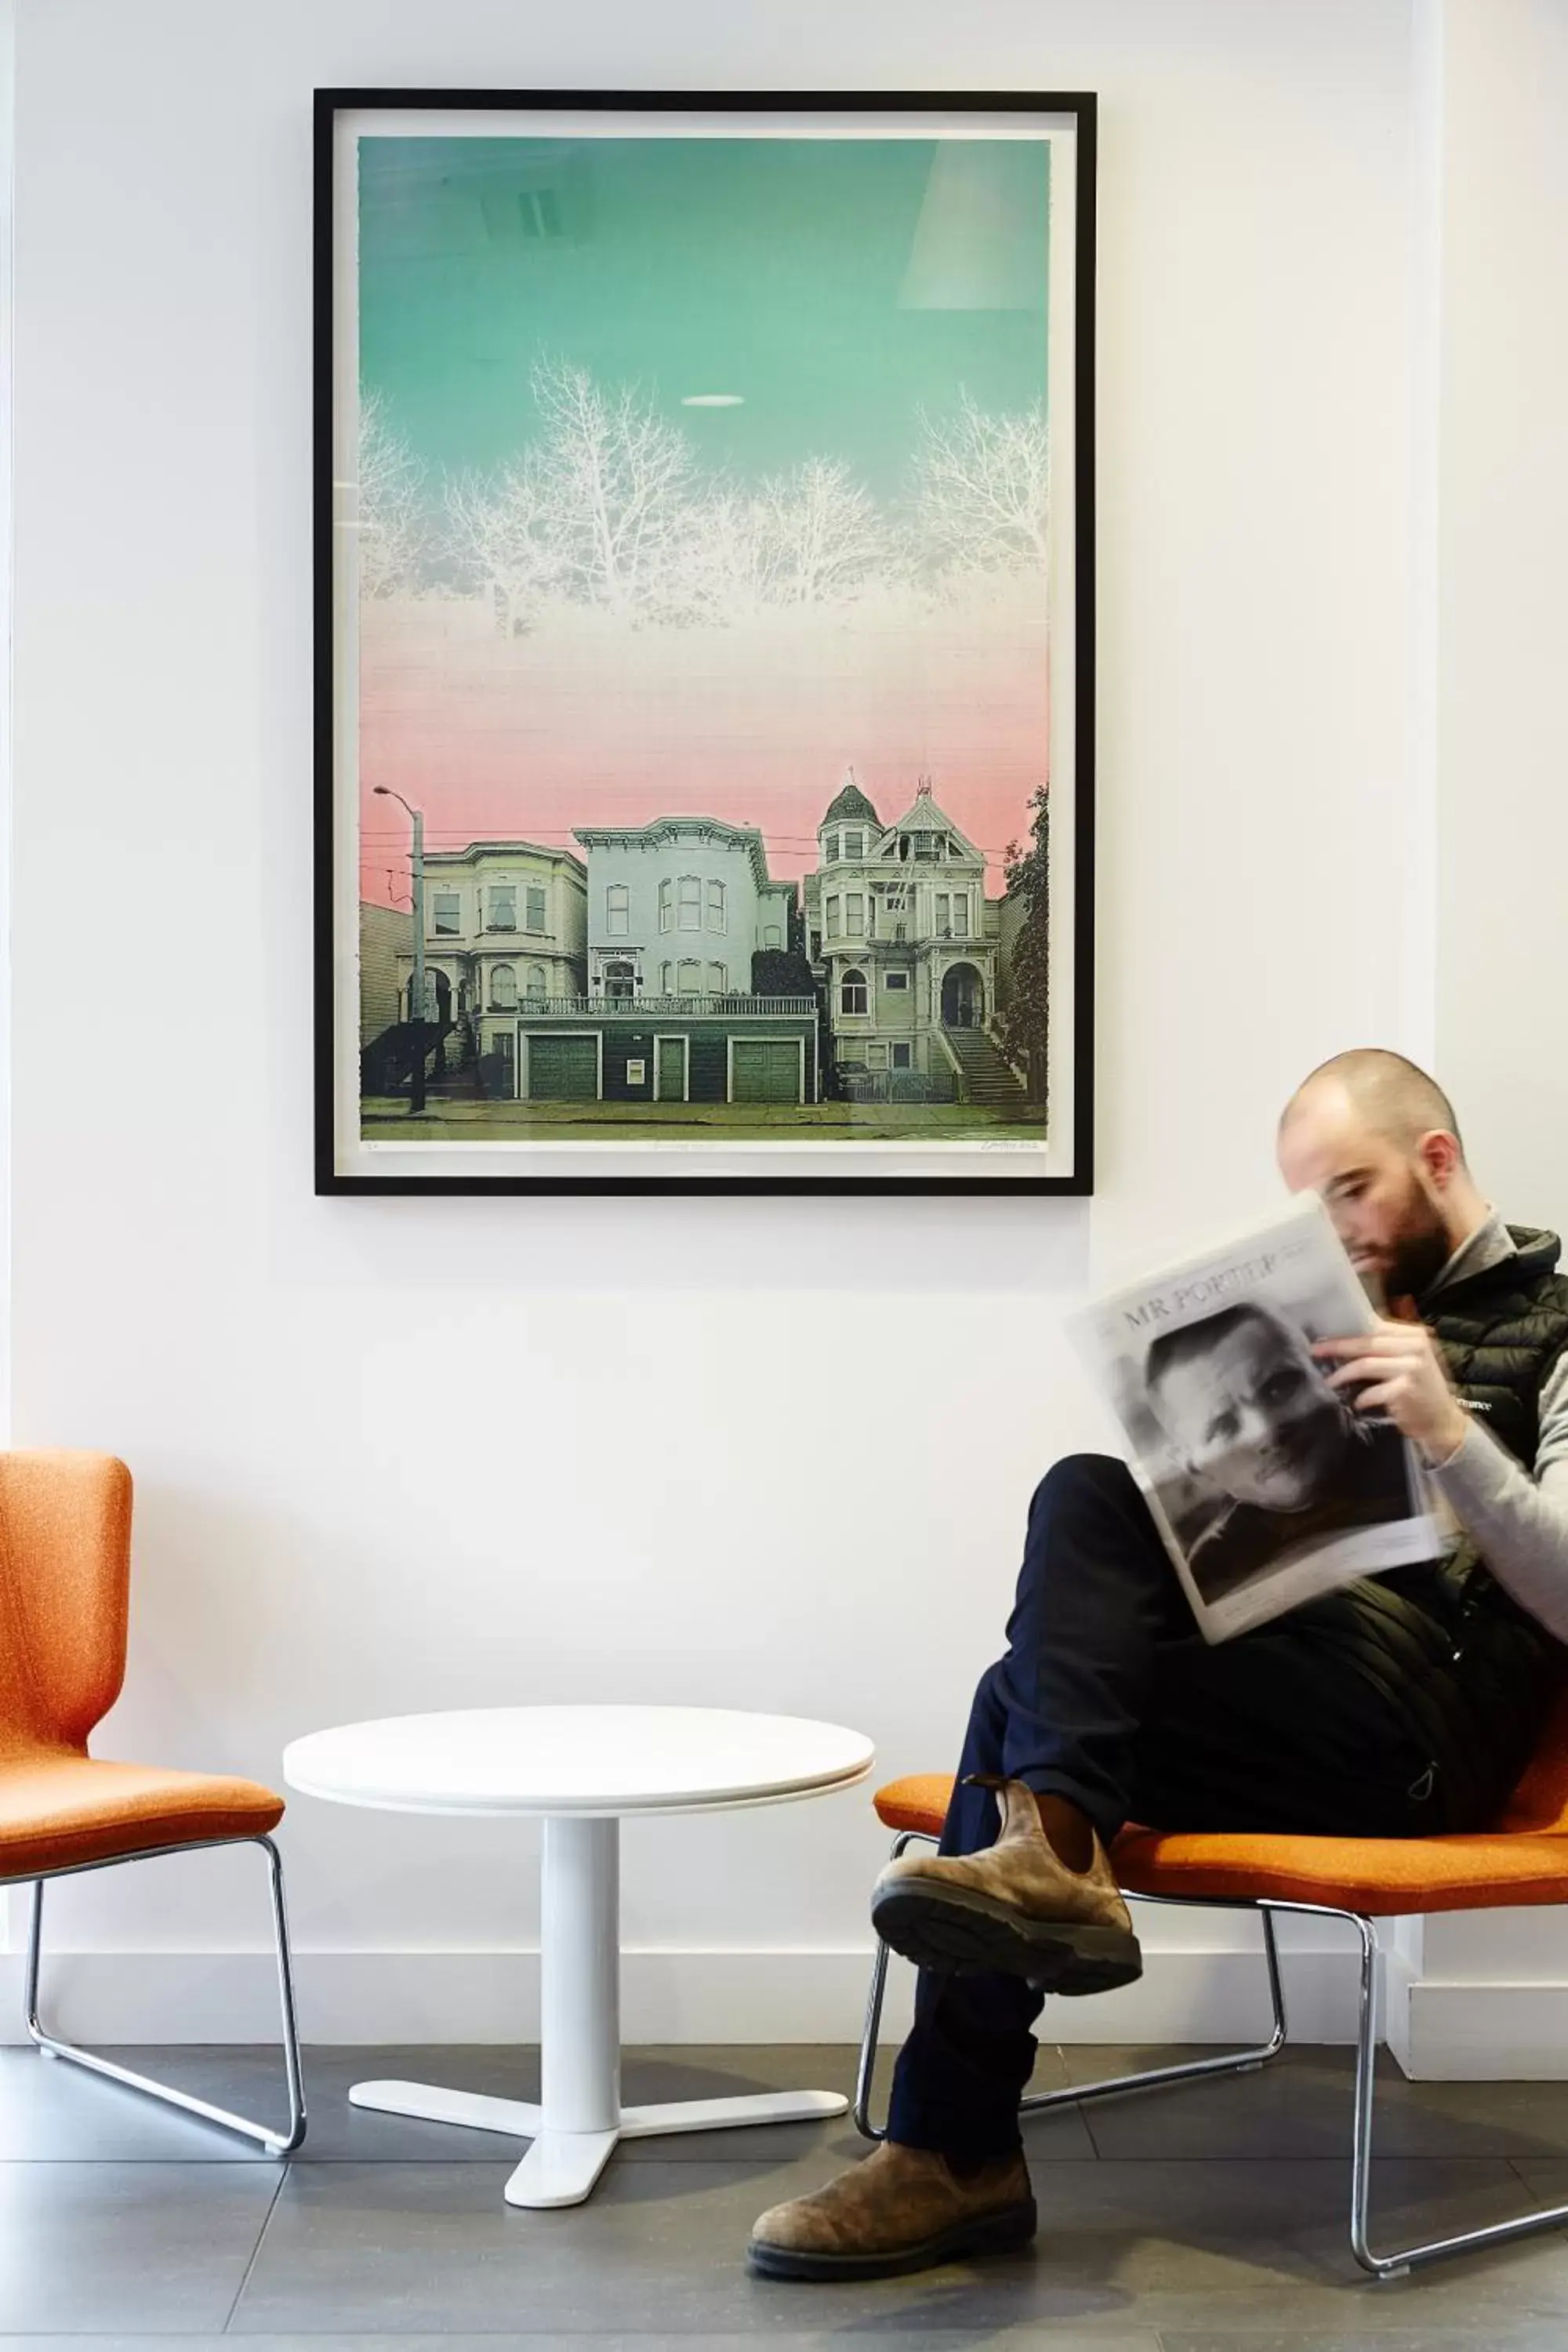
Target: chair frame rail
x: 275, y: 2142
x: 1390, y: 2265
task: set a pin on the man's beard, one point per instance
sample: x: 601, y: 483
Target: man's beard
x: 1419, y: 1251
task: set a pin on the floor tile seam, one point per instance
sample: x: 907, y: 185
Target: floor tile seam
x: 123, y: 2163
x: 1514, y: 2166
x: 283, y: 2170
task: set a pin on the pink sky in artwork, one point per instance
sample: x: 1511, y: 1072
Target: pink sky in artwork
x: 498, y: 738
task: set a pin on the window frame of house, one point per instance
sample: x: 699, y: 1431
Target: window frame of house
x: 685, y: 964
x: 502, y: 1003
x: 535, y: 894
x: 941, y: 914
x: 444, y: 903
x: 498, y: 890
x: 718, y: 907
x: 897, y: 981
x: 773, y: 938
x: 833, y: 909
x: 855, y: 914
x: 853, y: 854
x: 960, y: 914
x: 618, y: 910
x: 666, y: 905
x: 854, y: 979
x: 682, y: 902
x: 901, y: 1055
x: 717, y: 979
x: 533, y: 995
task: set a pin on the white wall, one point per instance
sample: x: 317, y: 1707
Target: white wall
x: 1489, y: 1998
x: 372, y: 1469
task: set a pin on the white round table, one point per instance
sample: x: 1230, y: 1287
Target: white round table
x: 582, y: 1769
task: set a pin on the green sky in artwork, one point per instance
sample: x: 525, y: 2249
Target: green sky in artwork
x: 836, y: 286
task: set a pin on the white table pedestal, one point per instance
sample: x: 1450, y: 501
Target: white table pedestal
x: 580, y: 2118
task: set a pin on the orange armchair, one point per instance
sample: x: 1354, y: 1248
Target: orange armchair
x: 65, y: 1563
x: 1523, y: 1861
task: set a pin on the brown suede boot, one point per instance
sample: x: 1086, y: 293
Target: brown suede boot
x: 902, y: 2210
x: 1015, y: 1907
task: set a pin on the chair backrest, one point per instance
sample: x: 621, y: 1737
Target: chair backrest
x: 1541, y: 1800
x: 65, y: 1584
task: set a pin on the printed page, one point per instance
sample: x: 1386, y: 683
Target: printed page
x: 1268, y: 1486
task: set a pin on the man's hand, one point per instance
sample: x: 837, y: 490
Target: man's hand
x: 1405, y: 1377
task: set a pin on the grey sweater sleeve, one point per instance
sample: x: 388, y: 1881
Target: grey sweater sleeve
x: 1520, y: 1523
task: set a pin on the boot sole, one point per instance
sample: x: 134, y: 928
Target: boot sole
x: 988, y: 2233
x: 956, y: 1931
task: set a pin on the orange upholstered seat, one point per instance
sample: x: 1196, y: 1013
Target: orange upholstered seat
x: 65, y: 1590
x: 1522, y: 1861
x: 58, y: 1811
x: 65, y: 1566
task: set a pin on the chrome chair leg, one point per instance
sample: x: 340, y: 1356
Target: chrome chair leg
x: 1398, y: 2263
x: 275, y: 2142
x: 1190, y: 2069
x: 864, y: 2071
x: 1236, y: 2062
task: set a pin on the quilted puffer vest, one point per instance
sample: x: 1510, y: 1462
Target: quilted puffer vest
x: 1502, y: 1332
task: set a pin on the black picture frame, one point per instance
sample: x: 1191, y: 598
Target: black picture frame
x: 1078, y: 109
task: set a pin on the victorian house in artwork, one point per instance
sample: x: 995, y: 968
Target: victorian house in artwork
x: 905, y: 945
x: 505, y: 926
x: 677, y: 913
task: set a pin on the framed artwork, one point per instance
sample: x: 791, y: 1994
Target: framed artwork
x: 705, y: 665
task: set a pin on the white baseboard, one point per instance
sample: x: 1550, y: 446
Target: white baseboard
x: 667, y: 1996
x: 1400, y: 1981
x: 1460, y: 2033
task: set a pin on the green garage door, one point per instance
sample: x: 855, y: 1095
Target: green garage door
x: 562, y: 1069
x: 767, y: 1070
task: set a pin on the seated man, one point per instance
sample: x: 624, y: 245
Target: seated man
x: 1401, y: 1706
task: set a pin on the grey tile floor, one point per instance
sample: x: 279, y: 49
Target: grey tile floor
x: 1206, y: 2218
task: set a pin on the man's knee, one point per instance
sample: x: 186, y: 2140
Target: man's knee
x: 1078, y: 1477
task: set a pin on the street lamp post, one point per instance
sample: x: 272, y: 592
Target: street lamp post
x: 416, y: 987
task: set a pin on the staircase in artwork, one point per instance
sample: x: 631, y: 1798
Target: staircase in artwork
x: 986, y: 1078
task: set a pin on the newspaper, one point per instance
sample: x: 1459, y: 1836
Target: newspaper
x: 1268, y: 1486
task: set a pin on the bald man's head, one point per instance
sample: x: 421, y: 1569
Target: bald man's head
x: 1388, y: 1094
x: 1378, y: 1139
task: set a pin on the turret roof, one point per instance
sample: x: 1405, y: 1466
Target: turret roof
x: 851, y: 803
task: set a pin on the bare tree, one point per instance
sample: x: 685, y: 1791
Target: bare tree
x: 391, y: 522
x: 809, y: 537
x: 621, y: 485
x: 722, y: 573
x: 982, y: 487
x: 819, y: 533
x: 607, y: 509
x: 599, y: 509
x: 503, y: 533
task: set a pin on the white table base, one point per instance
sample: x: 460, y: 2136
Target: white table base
x: 579, y: 2118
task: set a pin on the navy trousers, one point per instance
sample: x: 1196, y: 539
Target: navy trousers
x: 1381, y: 1710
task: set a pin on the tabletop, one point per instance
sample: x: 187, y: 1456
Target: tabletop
x: 588, y: 1760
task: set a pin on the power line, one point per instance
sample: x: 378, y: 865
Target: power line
x: 547, y: 838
